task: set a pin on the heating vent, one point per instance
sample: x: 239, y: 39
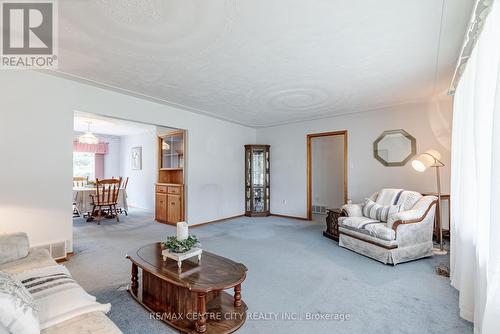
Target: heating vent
x: 319, y: 209
x: 57, y: 250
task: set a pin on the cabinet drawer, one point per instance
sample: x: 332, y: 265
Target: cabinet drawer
x: 161, y: 189
x: 174, y: 190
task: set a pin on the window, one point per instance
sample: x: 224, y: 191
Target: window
x: 84, y: 164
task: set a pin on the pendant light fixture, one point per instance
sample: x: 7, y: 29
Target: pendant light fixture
x: 88, y: 137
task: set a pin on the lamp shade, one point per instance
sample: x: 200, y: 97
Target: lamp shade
x: 88, y: 137
x: 426, y: 160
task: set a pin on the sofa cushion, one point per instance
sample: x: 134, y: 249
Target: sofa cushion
x: 388, y: 196
x: 356, y: 222
x: 378, y: 230
x: 408, y: 199
x: 379, y: 212
x: 37, y: 258
x: 13, y: 246
x: 363, y: 235
x: 93, y: 322
x: 18, y: 312
x: 353, y: 210
x: 58, y: 296
x: 381, y: 231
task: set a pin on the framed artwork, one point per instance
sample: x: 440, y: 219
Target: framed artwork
x: 136, y: 158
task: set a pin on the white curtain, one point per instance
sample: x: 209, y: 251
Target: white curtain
x: 475, y: 183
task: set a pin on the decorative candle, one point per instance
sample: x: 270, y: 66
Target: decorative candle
x: 182, y: 231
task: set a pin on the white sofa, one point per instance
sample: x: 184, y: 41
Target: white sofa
x: 21, y: 260
x: 404, y: 235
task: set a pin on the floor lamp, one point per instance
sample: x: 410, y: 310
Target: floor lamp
x: 420, y: 164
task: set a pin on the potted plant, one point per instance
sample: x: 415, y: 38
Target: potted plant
x: 174, y: 245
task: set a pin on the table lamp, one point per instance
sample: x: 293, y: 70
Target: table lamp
x: 421, y: 163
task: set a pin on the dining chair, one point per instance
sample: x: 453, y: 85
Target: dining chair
x: 107, y: 191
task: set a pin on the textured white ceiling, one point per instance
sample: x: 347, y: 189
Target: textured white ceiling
x: 265, y: 62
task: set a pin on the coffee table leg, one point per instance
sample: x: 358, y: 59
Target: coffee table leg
x: 134, y: 284
x: 201, y: 326
x: 237, y: 295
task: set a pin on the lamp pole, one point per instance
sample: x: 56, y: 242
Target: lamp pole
x: 438, y: 178
x: 438, y: 164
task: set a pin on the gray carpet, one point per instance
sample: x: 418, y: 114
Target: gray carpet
x: 292, y: 268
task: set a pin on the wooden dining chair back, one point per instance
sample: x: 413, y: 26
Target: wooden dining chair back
x: 107, y: 191
x: 80, y: 181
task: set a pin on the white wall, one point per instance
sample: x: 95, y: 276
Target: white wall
x: 140, y: 189
x: 429, y: 123
x: 327, y: 166
x: 35, y: 183
x: 112, y: 159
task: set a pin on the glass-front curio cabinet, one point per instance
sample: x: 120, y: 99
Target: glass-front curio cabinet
x: 257, y: 180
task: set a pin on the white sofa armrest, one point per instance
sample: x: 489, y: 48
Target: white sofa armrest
x: 13, y: 246
x: 416, y: 215
x: 356, y: 210
x: 353, y: 210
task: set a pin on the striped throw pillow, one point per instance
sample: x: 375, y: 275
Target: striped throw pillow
x: 379, y: 212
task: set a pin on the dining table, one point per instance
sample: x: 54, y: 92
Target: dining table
x: 83, y: 200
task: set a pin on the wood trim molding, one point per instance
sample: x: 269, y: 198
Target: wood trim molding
x: 68, y: 256
x: 309, y: 166
x: 413, y: 221
x: 216, y: 221
x: 369, y: 241
x: 291, y: 217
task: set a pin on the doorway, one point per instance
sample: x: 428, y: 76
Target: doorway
x: 132, y: 152
x: 326, y: 171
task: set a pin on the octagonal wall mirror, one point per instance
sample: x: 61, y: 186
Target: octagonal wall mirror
x: 394, y: 148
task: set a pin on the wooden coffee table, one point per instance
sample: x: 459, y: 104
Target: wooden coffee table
x: 191, y: 300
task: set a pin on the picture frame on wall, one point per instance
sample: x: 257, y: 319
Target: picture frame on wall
x: 136, y: 158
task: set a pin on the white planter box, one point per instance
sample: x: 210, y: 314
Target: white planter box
x: 179, y: 257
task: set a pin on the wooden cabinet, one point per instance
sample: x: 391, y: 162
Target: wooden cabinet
x: 161, y: 207
x: 257, y: 182
x: 174, y: 208
x: 170, y: 186
x: 169, y: 203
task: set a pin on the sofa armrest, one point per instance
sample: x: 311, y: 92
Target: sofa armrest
x: 13, y: 246
x: 416, y: 215
x: 353, y: 210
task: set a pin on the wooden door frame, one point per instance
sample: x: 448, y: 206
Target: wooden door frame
x: 309, y: 166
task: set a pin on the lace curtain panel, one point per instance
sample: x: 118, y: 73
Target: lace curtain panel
x: 475, y: 182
